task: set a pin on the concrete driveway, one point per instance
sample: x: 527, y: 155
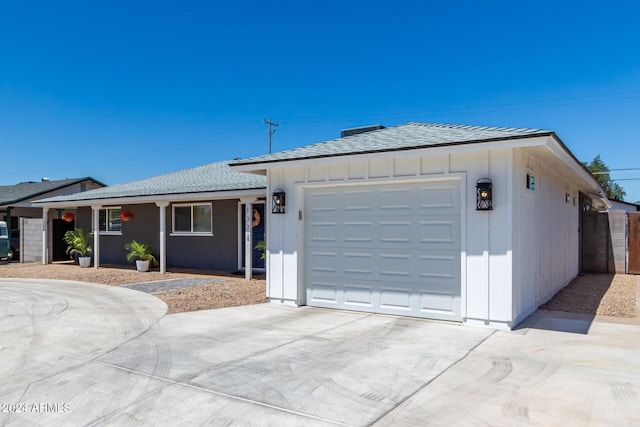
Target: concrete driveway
x: 80, y: 354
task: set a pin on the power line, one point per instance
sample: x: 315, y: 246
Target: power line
x: 616, y: 170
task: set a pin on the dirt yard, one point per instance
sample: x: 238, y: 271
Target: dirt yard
x: 597, y: 294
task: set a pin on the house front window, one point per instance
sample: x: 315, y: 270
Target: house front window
x: 109, y: 220
x: 193, y: 219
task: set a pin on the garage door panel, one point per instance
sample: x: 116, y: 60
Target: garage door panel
x: 355, y: 202
x: 396, y: 298
x: 323, y: 232
x: 391, y: 297
x: 438, y: 232
x: 395, y: 232
x: 440, y: 305
x: 320, y: 203
x: 323, y: 293
x: 357, y: 232
x: 359, y: 264
x: 395, y: 265
x: 439, y: 268
x: 358, y: 297
x: 403, y: 295
x: 385, y: 248
x: 442, y: 198
x: 395, y: 200
x: 323, y: 263
x: 423, y: 266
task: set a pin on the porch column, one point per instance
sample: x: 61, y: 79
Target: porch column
x: 45, y: 222
x: 95, y: 211
x: 163, y: 236
x: 248, y: 237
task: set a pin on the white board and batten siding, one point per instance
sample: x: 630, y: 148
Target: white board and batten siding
x: 345, y: 243
x: 546, y: 240
x: 384, y: 248
x: 474, y: 285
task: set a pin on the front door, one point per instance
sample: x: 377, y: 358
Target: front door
x: 257, y: 235
x: 59, y: 228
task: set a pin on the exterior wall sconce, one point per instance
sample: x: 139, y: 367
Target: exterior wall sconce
x: 484, y: 199
x: 278, y: 202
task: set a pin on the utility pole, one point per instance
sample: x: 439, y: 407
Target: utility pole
x: 271, y: 131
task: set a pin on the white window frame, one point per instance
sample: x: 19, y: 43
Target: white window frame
x: 107, y: 232
x: 189, y: 233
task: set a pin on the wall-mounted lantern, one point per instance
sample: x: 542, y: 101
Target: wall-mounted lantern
x: 484, y: 200
x: 278, y: 202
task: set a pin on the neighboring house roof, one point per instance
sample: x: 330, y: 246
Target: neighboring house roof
x: 214, y: 177
x: 404, y: 137
x: 12, y: 194
x: 622, y: 205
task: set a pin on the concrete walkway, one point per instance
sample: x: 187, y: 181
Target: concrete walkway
x: 276, y: 365
x: 171, y: 285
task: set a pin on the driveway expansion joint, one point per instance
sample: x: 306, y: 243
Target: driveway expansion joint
x: 206, y: 390
x: 425, y: 385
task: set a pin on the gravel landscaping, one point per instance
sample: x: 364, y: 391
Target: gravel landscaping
x: 597, y: 294
x: 232, y: 292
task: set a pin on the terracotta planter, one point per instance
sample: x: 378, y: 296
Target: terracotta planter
x: 127, y: 216
x: 68, y: 217
x: 84, y: 261
x: 142, y: 265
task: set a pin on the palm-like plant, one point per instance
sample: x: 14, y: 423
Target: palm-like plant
x: 78, y: 242
x: 262, y: 247
x: 141, y: 251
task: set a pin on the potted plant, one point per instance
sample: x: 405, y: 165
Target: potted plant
x: 141, y: 253
x: 78, y: 244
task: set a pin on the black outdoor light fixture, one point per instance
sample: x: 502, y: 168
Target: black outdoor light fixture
x: 483, y: 195
x: 278, y: 202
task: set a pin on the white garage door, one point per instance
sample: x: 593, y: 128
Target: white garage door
x: 391, y: 249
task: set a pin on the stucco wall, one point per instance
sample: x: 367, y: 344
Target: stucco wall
x: 143, y: 228
x: 217, y: 252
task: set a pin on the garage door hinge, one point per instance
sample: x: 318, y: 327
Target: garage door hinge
x: 299, y: 215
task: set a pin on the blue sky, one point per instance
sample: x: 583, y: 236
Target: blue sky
x: 126, y: 90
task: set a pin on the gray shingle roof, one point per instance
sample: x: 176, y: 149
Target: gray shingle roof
x: 10, y: 194
x: 208, y: 178
x: 403, y: 137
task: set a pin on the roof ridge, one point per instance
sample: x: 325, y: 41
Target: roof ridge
x: 400, y: 137
x: 477, y: 127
